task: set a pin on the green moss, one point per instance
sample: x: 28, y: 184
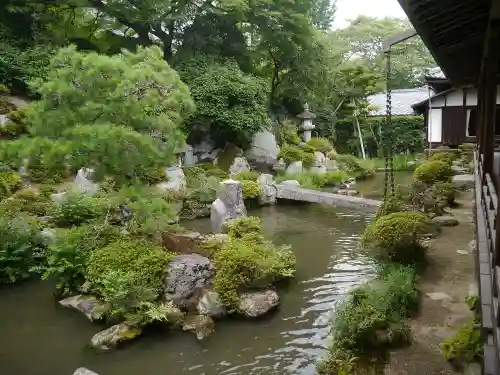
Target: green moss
x: 10, y: 182
x: 240, y: 227
x: 27, y: 200
x: 246, y: 175
x: 431, y: 172
x: 249, y: 261
x: 251, y: 189
x: 397, y: 236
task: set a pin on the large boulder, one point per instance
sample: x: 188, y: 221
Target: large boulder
x: 240, y: 164
x: 268, y: 192
x: 176, y: 180
x: 89, y: 306
x: 264, y: 148
x: 210, y: 304
x: 83, y: 181
x: 463, y: 181
x: 114, y: 335
x: 186, y: 243
x: 445, y: 221
x: 257, y: 303
x: 201, y: 325
x: 187, y: 277
x: 228, y: 206
x: 48, y: 236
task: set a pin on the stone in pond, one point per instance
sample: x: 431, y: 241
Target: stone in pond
x: 114, y: 335
x: 88, y: 305
x: 210, y: 304
x: 445, y: 221
x: 258, y: 303
x: 228, y: 206
x: 84, y: 371
x: 201, y: 325
x: 268, y: 191
x: 187, y: 276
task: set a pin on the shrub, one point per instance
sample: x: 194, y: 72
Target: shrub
x: 397, y: 236
x: 68, y: 257
x: 20, y: 247
x: 307, y: 180
x: 27, y: 200
x: 466, y: 151
x: 127, y: 272
x: 246, y: 175
x: 249, y: 261
x: 10, y: 182
x: 431, y: 172
x: 212, y: 170
x: 289, y: 133
x: 290, y: 154
x: 356, y: 167
x: 321, y: 144
x: 76, y: 209
x: 251, y: 189
x: 391, y: 205
x: 308, y: 159
x: 47, y: 159
x: 446, y: 157
x: 335, y: 178
x: 238, y: 228
x: 374, y: 316
x: 465, y: 346
x: 446, y: 192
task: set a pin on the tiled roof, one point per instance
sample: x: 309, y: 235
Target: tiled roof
x: 401, y: 101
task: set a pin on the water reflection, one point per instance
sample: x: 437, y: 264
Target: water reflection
x: 288, y: 342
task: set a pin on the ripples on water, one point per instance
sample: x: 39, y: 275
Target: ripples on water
x: 288, y: 342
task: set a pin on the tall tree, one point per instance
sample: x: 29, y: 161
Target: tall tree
x: 362, y: 41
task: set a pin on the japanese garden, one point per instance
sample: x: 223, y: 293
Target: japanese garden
x: 204, y: 188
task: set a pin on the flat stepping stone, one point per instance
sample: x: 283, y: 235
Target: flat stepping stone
x: 438, y: 296
x: 445, y: 221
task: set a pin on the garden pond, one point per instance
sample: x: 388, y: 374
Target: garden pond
x: 41, y: 338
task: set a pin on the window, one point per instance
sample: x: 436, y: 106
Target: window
x: 473, y: 119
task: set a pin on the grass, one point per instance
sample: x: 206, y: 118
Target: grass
x: 399, y: 162
x: 315, y: 181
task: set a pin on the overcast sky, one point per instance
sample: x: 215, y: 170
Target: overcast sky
x: 350, y: 9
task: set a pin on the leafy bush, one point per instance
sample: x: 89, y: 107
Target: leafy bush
x: 67, y: 258
x: 251, y: 189
x: 465, y: 346
x: 446, y: 157
x: 308, y: 159
x: 446, y: 192
x: 397, y: 236
x: 289, y: 133
x: 391, y: 205
x: 47, y: 159
x: 27, y: 200
x: 238, y: 228
x: 431, y: 172
x: 246, y: 175
x: 466, y: 151
x: 307, y: 180
x: 351, y: 164
x: 290, y: 153
x: 374, y: 316
x: 249, y: 261
x: 212, y: 170
x: 335, y: 178
x: 127, y: 273
x: 76, y: 209
x: 321, y: 144
x: 20, y: 247
x: 10, y: 182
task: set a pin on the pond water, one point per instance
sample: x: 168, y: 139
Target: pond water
x: 40, y: 338
x: 374, y: 187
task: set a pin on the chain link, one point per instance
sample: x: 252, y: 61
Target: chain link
x: 387, y: 135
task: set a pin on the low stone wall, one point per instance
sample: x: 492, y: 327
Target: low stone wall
x: 337, y: 200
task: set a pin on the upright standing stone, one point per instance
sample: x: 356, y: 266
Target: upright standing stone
x: 228, y: 206
x: 83, y: 181
x: 268, y: 190
x: 240, y: 164
x: 264, y: 148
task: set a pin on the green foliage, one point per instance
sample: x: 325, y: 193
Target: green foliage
x: 47, y: 159
x: 77, y: 208
x: 67, y: 258
x: 446, y: 157
x: 315, y: 181
x: 351, y: 164
x: 391, y: 205
x: 374, y: 316
x: 397, y: 236
x: 290, y: 154
x: 321, y: 144
x: 465, y: 346
x: 446, y: 192
x: 127, y: 272
x: 10, y: 182
x: 230, y: 105
x: 27, y: 200
x: 212, y: 170
x: 240, y: 227
x: 289, y: 133
x: 246, y: 175
x: 431, y: 172
x: 249, y: 261
x: 20, y: 247
x: 466, y: 151
x: 251, y: 189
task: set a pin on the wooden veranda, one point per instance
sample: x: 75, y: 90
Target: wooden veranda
x: 464, y: 38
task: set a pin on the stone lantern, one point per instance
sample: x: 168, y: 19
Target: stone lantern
x: 307, y: 123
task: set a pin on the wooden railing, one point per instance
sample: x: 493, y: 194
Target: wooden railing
x: 487, y: 247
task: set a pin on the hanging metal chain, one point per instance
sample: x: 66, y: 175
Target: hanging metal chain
x: 386, y: 132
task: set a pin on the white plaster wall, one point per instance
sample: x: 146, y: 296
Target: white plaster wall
x: 455, y: 98
x: 434, y: 130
